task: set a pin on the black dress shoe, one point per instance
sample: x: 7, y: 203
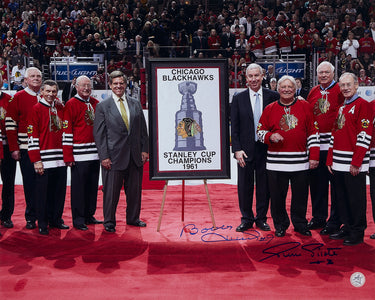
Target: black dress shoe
x: 244, y: 226
x: 110, y: 229
x: 138, y: 223
x: 7, y: 223
x: 340, y: 235
x: 43, y: 231
x: 62, y: 226
x: 352, y: 242
x: 263, y: 226
x: 30, y: 225
x: 82, y: 227
x: 315, y: 224
x: 372, y: 236
x: 303, y: 231
x: 92, y: 220
x: 280, y: 232
x: 328, y: 230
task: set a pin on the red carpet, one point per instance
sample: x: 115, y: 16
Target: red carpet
x: 185, y: 260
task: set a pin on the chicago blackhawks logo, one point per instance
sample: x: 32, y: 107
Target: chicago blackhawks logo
x: 365, y: 123
x: 2, y: 113
x: 288, y: 122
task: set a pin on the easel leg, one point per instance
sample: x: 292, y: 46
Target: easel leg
x: 209, y: 203
x: 162, y: 205
x: 183, y: 202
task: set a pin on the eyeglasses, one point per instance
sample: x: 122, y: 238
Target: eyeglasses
x: 84, y: 85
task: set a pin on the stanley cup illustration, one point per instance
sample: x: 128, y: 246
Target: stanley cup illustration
x: 189, y: 130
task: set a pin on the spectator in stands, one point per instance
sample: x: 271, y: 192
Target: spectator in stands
x: 301, y: 42
x: 284, y: 38
x: 351, y: 45
x: 214, y: 43
x: 18, y: 73
x: 199, y: 42
x: 366, y: 44
x: 363, y: 79
x: 257, y: 43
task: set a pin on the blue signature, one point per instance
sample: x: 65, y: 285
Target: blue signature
x: 211, y: 235
x: 296, y: 249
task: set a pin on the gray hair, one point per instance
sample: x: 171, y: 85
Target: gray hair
x: 355, y: 78
x: 325, y: 63
x: 286, y: 77
x: 80, y: 78
x: 254, y: 66
x: 28, y: 70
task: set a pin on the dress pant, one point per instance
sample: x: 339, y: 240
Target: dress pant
x: 28, y: 179
x: 279, y: 185
x: 84, y: 190
x: 319, y: 180
x: 245, y: 187
x: 8, y: 175
x: 51, y: 187
x: 372, y: 191
x: 113, y: 181
x: 351, y: 195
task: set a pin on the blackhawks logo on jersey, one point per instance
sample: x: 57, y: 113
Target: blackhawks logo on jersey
x: 288, y: 122
x: 30, y: 129
x: 2, y: 113
x: 365, y: 123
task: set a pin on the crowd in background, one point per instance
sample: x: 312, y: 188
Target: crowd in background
x: 239, y: 30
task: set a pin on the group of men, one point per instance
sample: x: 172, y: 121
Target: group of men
x: 46, y: 137
x: 266, y: 128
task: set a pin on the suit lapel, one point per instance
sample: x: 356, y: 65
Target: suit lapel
x: 247, y: 105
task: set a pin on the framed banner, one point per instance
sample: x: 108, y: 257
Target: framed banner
x: 188, y: 119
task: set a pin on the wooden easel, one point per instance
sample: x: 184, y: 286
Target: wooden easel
x: 183, y: 203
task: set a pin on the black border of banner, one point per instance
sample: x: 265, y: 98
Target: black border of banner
x: 222, y: 102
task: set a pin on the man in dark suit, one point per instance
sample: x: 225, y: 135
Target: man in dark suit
x: 121, y: 138
x: 301, y: 91
x: 228, y: 40
x: 69, y: 90
x: 250, y: 153
x: 199, y: 42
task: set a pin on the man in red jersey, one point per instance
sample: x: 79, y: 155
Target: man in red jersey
x: 45, y: 152
x: 348, y: 160
x: 16, y: 128
x: 80, y: 153
x: 326, y: 99
x: 8, y: 166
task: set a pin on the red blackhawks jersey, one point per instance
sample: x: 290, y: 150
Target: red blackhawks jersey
x: 326, y: 103
x: 332, y: 45
x: 295, y: 123
x: 4, y: 102
x: 372, y: 147
x: 300, y: 42
x: 78, y: 138
x: 45, y: 134
x: 17, y: 118
x: 351, y: 136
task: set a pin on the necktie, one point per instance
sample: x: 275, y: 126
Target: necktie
x: 124, y: 115
x: 257, y: 113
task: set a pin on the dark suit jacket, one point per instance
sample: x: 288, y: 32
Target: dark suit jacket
x: 112, y: 138
x: 228, y: 42
x: 66, y: 95
x: 242, y: 121
x: 199, y: 43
